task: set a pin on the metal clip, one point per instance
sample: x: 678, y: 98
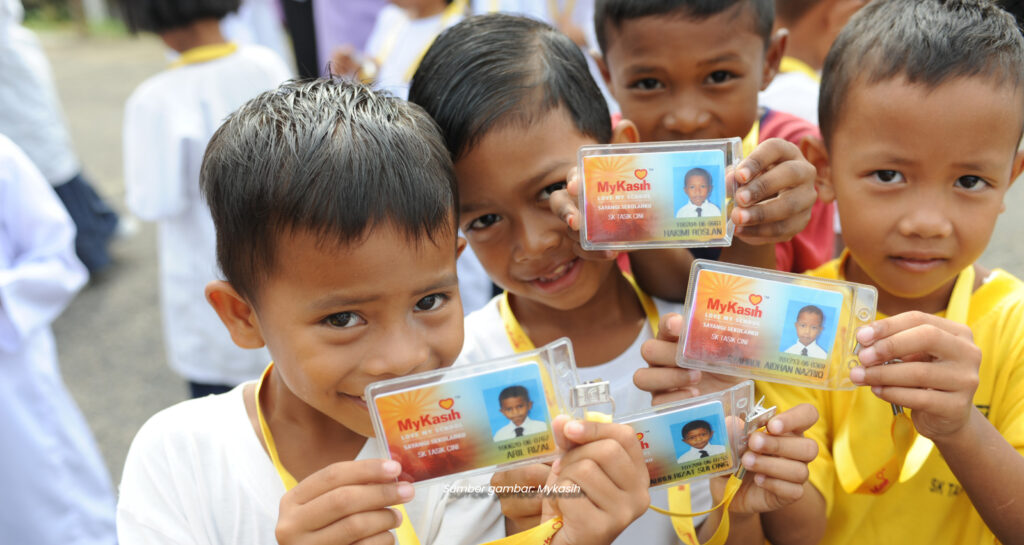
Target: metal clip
x: 594, y: 392
x: 757, y: 418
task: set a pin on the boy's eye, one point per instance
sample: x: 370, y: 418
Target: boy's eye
x: 483, y: 222
x: 431, y: 302
x: 720, y: 76
x: 646, y: 84
x: 970, y: 182
x: 545, y: 193
x: 343, y: 320
x: 888, y: 176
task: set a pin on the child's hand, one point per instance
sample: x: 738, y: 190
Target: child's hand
x: 666, y: 381
x: 345, y: 502
x: 774, y: 193
x: 776, y: 463
x: 937, y: 377
x: 345, y: 61
x: 522, y: 511
x: 563, y: 204
x: 605, y: 461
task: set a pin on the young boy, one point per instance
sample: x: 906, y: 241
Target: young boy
x: 515, y: 102
x: 342, y: 262
x: 168, y: 121
x: 698, y: 434
x: 690, y: 69
x: 516, y: 406
x: 697, y: 186
x: 921, y: 136
x: 809, y: 322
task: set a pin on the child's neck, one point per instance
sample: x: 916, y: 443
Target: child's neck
x: 199, y: 33
x: 306, y: 439
x: 428, y: 9
x: 600, y: 329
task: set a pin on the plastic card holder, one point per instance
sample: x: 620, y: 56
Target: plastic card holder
x: 773, y: 326
x: 697, y: 438
x: 478, y: 418
x: 657, y: 195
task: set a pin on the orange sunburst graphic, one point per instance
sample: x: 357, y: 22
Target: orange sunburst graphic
x: 406, y: 405
x: 724, y: 287
x: 608, y: 168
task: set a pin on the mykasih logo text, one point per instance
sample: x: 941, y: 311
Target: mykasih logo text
x: 623, y: 186
x: 732, y: 307
x: 426, y: 420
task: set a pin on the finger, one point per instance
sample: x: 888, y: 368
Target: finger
x: 572, y: 183
x: 924, y: 401
x: 766, y: 155
x: 352, y: 500
x: 774, y: 467
x: 583, y: 432
x: 787, y: 491
x: 371, y: 527
x: 800, y: 449
x: 593, y: 481
x: 886, y: 327
x: 380, y: 539
x: 670, y: 326
x: 774, y: 232
x: 671, y: 396
x: 795, y: 421
x: 927, y: 337
x: 564, y: 207
x: 665, y: 378
x: 792, y: 179
x: 911, y: 374
x: 794, y: 201
x: 343, y: 474
x: 531, y: 475
x: 660, y: 353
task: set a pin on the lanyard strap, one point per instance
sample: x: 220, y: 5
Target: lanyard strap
x: 752, y: 139
x: 205, y: 53
x: 457, y: 7
x: 909, y: 450
x: 791, y: 65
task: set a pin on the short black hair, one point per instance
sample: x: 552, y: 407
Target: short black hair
x: 790, y: 11
x: 327, y: 156
x: 612, y: 13
x: 163, y: 15
x: 697, y: 171
x: 928, y: 42
x: 696, y: 425
x: 514, y: 391
x: 811, y: 309
x: 1016, y: 8
x: 492, y: 71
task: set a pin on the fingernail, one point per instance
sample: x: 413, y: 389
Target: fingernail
x: 743, y: 196
x: 744, y: 216
x: 742, y: 174
x: 694, y: 375
x: 675, y: 323
x: 749, y: 459
x: 865, y: 334
x: 877, y: 390
x: 391, y: 467
x: 759, y: 479
x: 398, y: 516
x: 574, y: 428
x: 775, y: 426
x: 756, y: 441
x: 405, y: 491
x: 867, y: 355
x: 857, y: 375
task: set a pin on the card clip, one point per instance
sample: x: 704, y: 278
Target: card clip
x: 756, y: 419
x: 590, y: 395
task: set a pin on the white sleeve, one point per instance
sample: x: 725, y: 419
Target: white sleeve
x: 154, y: 155
x: 39, y: 272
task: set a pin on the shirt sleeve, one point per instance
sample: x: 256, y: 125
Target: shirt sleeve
x: 154, y: 158
x: 39, y: 271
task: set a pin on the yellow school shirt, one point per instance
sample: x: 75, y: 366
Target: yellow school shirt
x: 931, y: 507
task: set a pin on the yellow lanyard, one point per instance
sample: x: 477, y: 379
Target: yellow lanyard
x: 752, y: 139
x: 205, y: 53
x: 457, y: 7
x: 791, y: 65
x: 909, y: 450
x: 405, y: 533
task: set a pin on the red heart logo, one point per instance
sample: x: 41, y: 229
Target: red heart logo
x: 755, y: 300
x: 446, y: 403
x: 640, y: 173
x: 640, y: 435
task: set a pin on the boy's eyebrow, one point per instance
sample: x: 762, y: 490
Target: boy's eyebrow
x: 730, y: 56
x: 470, y: 207
x: 332, y: 302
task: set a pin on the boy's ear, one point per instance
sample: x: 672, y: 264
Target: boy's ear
x: 773, y: 57
x: 603, y: 68
x: 460, y: 246
x: 1018, y: 168
x: 236, y: 313
x: 814, y: 150
x: 625, y: 132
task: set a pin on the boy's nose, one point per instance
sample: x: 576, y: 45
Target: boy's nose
x: 688, y: 119
x: 929, y: 220
x: 537, y: 234
x: 404, y: 350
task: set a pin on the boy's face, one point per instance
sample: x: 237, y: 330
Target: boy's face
x: 504, y: 185
x: 919, y: 177
x: 808, y: 327
x: 698, y: 438
x: 336, y: 318
x: 516, y: 409
x: 697, y: 189
x: 683, y: 79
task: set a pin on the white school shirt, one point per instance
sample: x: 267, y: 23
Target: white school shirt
x: 486, y: 340
x: 529, y: 426
x: 168, y: 121
x: 813, y: 350
x: 794, y: 93
x: 706, y: 210
x: 30, y: 110
x: 56, y: 489
x: 196, y: 473
x: 257, y: 22
x: 398, y: 42
x: 694, y: 453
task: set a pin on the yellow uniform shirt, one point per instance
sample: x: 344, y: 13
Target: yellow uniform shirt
x: 931, y: 507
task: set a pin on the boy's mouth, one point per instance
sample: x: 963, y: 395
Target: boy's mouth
x: 559, y: 277
x: 918, y: 263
